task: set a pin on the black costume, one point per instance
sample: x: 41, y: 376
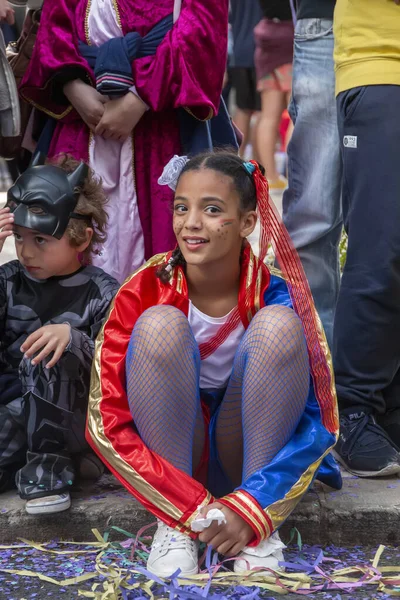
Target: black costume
x: 43, y: 411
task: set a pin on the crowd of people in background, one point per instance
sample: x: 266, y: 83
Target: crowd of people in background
x: 340, y: 173
x: 153, y: 95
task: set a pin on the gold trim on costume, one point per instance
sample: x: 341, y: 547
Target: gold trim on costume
x: 179, y: 282
x: 328, y: 358
x: 87, y: 14
x: 249, y: 280
x: 257, y: 298
x: 230, y: 500
x: 252, y: 506
x: 116, y: 8
x: 46, y: 110
x: 205, y: 502
x: 209, y: 116
x: 274, y: 271
x: 279, y: 511
x: 96, y: 427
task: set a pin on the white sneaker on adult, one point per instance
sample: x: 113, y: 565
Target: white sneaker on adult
x: 48, y: 504
x: 266, y: 555
x: 172, y: 550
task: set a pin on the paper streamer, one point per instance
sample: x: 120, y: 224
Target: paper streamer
x: 118, y: 575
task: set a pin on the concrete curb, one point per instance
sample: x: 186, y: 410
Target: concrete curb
x: 363, y: 512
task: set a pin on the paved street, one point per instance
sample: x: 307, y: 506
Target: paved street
x: 312, y: 566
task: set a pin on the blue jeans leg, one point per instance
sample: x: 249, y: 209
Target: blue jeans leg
x: 311, y: 204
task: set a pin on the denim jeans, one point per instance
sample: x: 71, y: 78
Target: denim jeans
x: 311, y: 204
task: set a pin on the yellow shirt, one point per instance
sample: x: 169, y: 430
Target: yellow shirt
x: 367, y: 43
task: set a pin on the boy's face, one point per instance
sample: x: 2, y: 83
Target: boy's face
x: 44, y: 256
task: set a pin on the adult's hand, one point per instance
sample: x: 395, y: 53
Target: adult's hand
x: 6, y: 13
x: 229, y: 538
x: 121, y: 117
x: 6, y: 222
x: 87, y: 101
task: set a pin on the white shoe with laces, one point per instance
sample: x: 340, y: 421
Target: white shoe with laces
x: 172, y: 550
x: 267, y: 555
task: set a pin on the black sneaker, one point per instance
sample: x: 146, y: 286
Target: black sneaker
x: 390, y: 422
x: 364, y: 448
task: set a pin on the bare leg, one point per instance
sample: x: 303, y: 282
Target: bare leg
x: 254, y: 136
x: 242, y: 120
x: 272, y: 106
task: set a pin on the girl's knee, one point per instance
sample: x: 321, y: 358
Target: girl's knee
x: 162, y: 319
x: 279, y: 326
x: 159, y: 329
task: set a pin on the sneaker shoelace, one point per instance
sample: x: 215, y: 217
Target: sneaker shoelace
x: 167, y: 538
x: 367, y: 427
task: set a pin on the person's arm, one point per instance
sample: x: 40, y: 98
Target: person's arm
x: 188, y: 68
x: 7, y: 14
x: 81, y: 344
x: 55, y: 60
x: 56, y: 338
x: 6, y: 223
x: 164, y: 490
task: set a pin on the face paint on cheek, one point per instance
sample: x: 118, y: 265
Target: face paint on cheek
x: 177, y: 226
x: 226, y: 222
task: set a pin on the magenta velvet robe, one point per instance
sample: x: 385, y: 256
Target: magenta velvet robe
x: 186, y: 72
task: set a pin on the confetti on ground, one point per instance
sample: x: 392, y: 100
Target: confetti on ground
x: 115, y: 570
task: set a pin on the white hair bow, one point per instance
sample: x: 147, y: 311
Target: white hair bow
x: 172, y: 171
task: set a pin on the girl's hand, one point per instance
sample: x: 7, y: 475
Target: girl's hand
x: 121, y: 117
x: 87, y: 101
x: 6, y: 223
x: 228, y: 539
x: 51, y: 338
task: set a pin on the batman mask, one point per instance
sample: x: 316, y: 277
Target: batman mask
x: 44, y: 197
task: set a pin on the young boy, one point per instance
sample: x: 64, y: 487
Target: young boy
x: 51, y: 309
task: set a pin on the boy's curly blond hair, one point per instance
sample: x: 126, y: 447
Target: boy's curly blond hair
x: 92, y: 201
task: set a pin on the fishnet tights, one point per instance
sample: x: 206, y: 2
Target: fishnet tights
x: 162, y: 377
x: 266, y: 394
x: 263, y: 404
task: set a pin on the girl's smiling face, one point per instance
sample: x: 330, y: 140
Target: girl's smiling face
x: 208, y: 223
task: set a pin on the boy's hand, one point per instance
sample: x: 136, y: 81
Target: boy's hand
x: 50, y: 338
x: 6, y: 222
x: 86, y: 100
x: 121, y: 117
x: 230, y: 538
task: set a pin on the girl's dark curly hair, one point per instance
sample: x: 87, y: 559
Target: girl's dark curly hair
x: 227, y: 163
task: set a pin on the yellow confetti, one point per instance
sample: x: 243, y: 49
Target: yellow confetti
x: 385, y: 579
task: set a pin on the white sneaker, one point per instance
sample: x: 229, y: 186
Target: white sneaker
x: 266, y: 555
x: 48, y: 505
x: 172, y: 550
